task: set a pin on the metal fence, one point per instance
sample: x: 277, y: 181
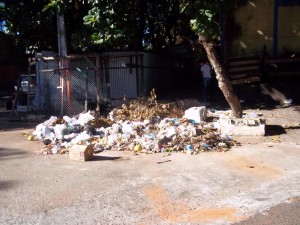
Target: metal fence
x: 72, y: 87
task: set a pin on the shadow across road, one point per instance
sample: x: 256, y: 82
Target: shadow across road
x: 11, y: 153
x: 7, y: 184
x: 7, y: 125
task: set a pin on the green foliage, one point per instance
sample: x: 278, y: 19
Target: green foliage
x: 105, y: 24
x: 136, y: 24
x: 59, y: 6
x: 205, y: 14
x: 158, y: 24
x: 29, y: 25
x: 34, y: 27
x: 112, y: 24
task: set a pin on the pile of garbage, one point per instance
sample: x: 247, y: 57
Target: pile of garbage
x: 134, y: 127
x: 147, y: 108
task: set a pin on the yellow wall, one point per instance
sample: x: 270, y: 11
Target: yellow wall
x: 289, y: 29
x: 256, y: 20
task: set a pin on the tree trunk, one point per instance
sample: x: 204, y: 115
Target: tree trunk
x: 223, y: 81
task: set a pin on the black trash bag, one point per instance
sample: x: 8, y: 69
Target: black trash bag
x: 74, y: 128
x: 90, y: 129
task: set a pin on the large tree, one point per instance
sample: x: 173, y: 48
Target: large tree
x: 205, y: 21
x: 162, y: 23
x: 137, y: 24
x: 123, y: 24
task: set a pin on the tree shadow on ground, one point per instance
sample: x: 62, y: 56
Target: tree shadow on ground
x: 7, y: 184
x: 6, y: 125
x: 11, y: 153
x: 273, y: 130
x: 296, y: 127
x: 297, y: 108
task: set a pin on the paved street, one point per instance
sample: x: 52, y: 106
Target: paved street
x: 260, y: 179
x: 283, y: 214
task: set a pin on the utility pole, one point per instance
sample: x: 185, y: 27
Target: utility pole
x: 62, y: 52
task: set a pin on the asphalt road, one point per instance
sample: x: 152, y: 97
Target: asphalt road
x: 282, y: 214
x: 257, y: 183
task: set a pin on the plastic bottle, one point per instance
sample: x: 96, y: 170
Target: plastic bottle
x: 189, y: 149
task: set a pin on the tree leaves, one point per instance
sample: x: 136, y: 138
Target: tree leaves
x: 205, y: 15
x: 134, y: 24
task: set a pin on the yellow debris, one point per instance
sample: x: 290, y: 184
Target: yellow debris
x: 137, y: 148
x: 30, y: 138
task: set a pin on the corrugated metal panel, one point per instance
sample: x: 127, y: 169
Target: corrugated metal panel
x: 124, y: 75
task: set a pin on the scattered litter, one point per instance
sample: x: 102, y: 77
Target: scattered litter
x: 30, y: 138
x: 276, y: 139
x: 288, y: 101
x: 159, y: 161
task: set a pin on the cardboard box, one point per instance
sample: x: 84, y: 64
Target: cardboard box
x: 81, y: 152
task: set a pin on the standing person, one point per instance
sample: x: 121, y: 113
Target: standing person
x: 206, y: 73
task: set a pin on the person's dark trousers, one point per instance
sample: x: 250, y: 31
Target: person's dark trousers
x: 206, y: 86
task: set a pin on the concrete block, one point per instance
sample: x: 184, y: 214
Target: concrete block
x: 242, y: 126
x: 197, y: 114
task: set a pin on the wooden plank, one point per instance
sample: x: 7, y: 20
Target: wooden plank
x: 243, y: 75
x: 286, y: 73
x: 249, y: 68
x: 243, y: 62
x: 245, y: 80
x: 243, y: 58
x: 237, y: 76
x: 287, y: 60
